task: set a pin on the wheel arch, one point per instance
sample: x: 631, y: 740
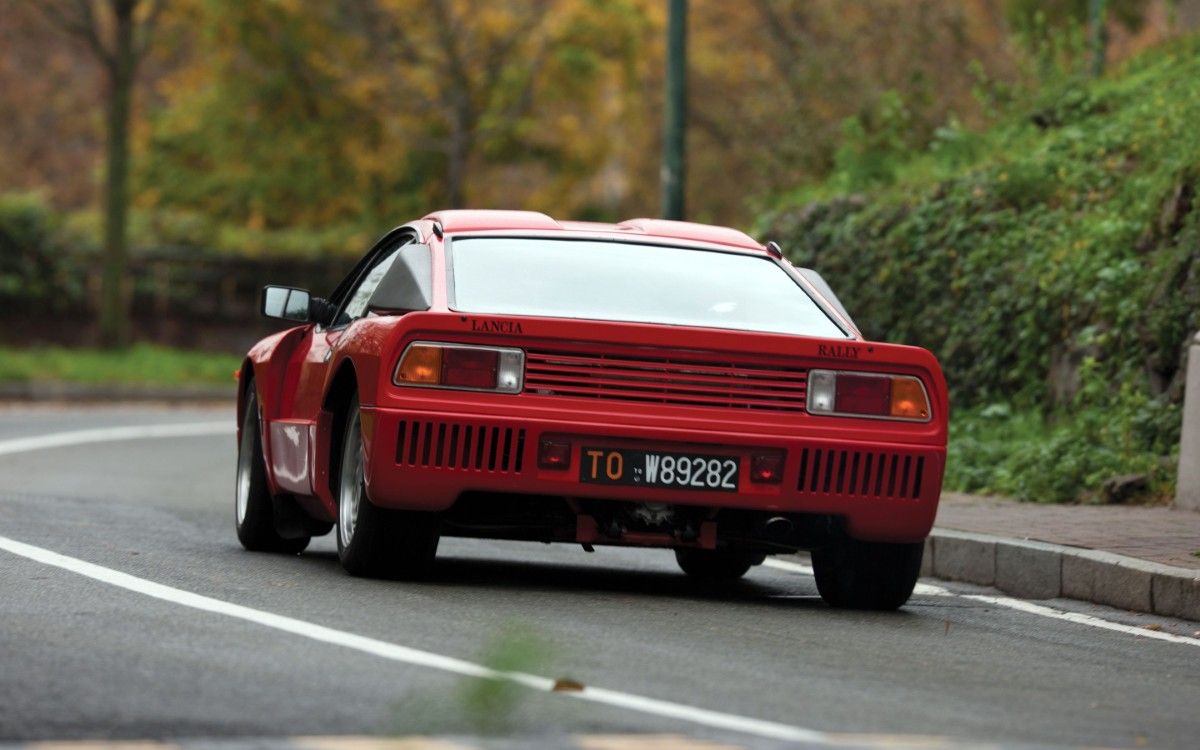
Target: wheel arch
x: 245, y: 377
x: 335, y: 407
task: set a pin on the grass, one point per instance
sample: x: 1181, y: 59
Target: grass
x: 1034, y: 457
x: 140, y: 364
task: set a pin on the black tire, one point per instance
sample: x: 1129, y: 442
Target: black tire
x: 715, y: 565
x: 375, y: 542
x: 253, y: 511
x: 867, y: 575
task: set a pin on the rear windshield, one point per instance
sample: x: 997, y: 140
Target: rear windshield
x: 599, y: 280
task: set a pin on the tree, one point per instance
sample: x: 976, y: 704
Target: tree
x: 118, y: 35
x: 476, y: 75
x: 340, y: 116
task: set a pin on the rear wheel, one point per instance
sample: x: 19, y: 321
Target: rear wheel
x: 867, y: 575
x: 713, y: 564
x: 376, y: 542
x: 254, y: 514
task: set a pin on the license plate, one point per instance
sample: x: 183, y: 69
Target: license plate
x: 682, y: 471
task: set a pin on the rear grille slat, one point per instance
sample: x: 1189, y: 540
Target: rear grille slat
x: 460, y: 447
x: 828, y: 471
x: 916, y: 489
x: 679, y: 380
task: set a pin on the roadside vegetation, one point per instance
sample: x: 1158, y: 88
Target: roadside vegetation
x: 143, y: 364
x: 1052, y: 262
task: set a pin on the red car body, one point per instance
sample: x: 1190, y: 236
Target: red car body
x: 591, y: 386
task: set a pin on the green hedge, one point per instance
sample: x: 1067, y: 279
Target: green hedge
x: 1053, y: 265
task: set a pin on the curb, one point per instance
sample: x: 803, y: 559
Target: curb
x: 80, y: 392
x: 1038, y: 570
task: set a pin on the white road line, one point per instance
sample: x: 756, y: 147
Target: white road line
x: 417, y: 657
x: 1019, y: 605
x: 113, y: 434
x: 791, y: 567
x: 1078, y: 617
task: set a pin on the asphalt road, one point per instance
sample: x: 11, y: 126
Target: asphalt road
x: 88, y: 658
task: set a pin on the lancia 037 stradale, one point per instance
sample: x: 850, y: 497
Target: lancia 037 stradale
x: 653, y: 383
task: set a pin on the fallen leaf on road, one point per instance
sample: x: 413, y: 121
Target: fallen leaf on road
x: 564, y: 684
x: 1152, y: 626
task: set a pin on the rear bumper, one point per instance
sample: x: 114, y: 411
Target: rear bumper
x: 426, y: 460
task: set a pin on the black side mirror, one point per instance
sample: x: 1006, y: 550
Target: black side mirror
x: 286, y: 303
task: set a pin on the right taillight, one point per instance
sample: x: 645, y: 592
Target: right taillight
x: 867, y: 394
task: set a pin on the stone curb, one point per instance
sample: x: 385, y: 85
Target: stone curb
x: 85, y: 392
x: 1037, y: 570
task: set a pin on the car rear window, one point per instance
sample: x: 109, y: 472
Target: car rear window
x: 624, y: 281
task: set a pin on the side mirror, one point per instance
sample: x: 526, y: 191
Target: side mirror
x: 286, y: 303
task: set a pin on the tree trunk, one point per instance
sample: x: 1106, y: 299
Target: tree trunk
x: 458, y: 152
x: 114, y: 307
x: 1098, y: 23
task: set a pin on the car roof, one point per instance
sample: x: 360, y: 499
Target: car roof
x: 480, y: 220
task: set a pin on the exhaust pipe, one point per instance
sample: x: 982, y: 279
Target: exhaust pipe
x: 779, y: 527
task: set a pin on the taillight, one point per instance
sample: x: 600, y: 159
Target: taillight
x: 461, y: 366
x: 865, y: 394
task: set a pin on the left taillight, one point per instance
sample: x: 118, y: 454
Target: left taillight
x: 461, y: 366
x: 867, y: 394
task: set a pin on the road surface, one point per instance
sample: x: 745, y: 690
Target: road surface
x: 129, y: 611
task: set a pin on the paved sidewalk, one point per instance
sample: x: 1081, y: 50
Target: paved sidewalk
x: 1131, y: 557
x: 1158, y: 534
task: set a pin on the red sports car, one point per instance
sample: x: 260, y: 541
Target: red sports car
x: 653, y: 383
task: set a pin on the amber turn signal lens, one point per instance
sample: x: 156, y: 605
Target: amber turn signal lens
x: 421, y: 364
x: 908, y: 399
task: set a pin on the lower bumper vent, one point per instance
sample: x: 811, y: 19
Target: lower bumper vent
x: 860, y: 473
x: 469, y: 447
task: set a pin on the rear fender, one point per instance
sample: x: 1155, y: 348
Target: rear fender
x: 266, y: 365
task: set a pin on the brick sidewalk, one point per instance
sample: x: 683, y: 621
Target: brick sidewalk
x: 1159, y: 534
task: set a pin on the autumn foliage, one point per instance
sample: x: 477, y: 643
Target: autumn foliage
x: 269, y: 125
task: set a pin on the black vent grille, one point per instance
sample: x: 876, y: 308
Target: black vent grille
x: 463, y: 446
x: 860, y: 473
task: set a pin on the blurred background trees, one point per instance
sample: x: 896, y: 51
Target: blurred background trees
x: 335, y: 118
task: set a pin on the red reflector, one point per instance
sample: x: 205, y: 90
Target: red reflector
x: 469, y: 368
x: 554, y: 454
x: 863, y: 394
x: 766, y: 468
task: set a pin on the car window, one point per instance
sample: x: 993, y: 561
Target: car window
x: 632, y: 282
x: 356, y: 304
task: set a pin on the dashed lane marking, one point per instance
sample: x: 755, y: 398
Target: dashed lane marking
x: 425, y: 742
x: 417, y: 657
x: 101, y: 745
x: 376, y: 743
x: 647, y: 742
x: 114, y: 434
x: 1020, y: 605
